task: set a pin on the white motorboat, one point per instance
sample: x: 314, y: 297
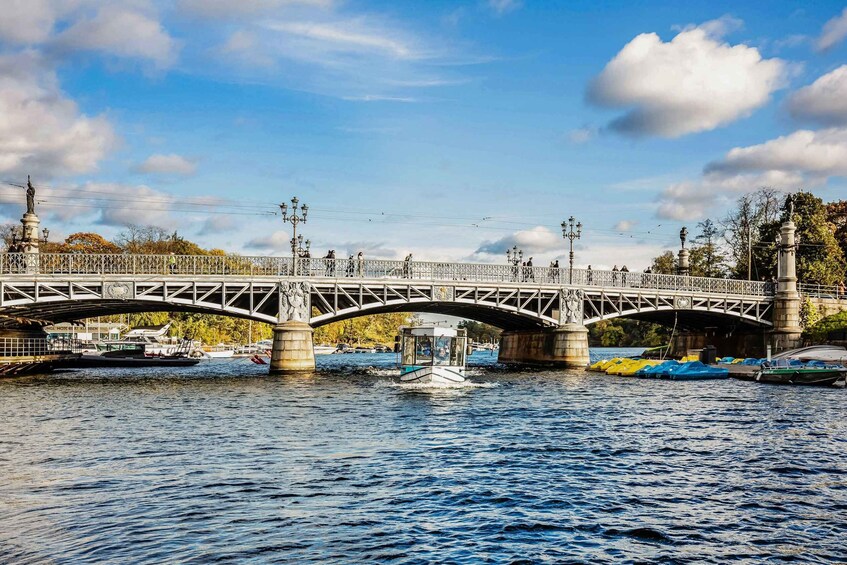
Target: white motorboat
x: 151, y: 339
x: 825, y: 353
x: 433, y: 355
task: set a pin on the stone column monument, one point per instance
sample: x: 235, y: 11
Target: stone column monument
x: 786, y: 313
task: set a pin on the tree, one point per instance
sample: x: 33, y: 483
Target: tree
x: 820, y: 259
x: 480, y: 332
x: 664, y: 264
x: 707, y: 258
x: 86, y: 242
x: 742, y: 227
x: 836, y: 215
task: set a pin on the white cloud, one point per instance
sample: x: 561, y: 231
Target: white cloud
x: 27, y: 22
x: 625, y: 225
x: 820, y: 153
x: 536, y: 240
x: 42, y: 131
x: 226, y: 9
x: 350, y: 36
x: 582, y: 135
x: 824, y: 101
x: 834, y: 31
x: 123, y: 32
x: 167, y: 164
x: 279, y: 241
x: 802, y: 159
x: 695, y: 82
x: 218, y: 224
x: 692, y: 200
x: 501, y: 7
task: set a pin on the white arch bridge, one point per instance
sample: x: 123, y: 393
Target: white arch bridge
x: 62, y: 287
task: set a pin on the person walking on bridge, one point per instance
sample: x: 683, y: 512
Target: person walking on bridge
x: 172, y: 262
x: 615, y: 275
x: 624, y: 271
x: 360, y: 264
x: 407, y: 266
x: 530, y: 275
x: 350, y: 263
x: 590, y: 275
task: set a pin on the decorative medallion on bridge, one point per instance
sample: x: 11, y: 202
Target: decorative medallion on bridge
x: 442, y: 294
x: 118, y: 290
x: 682, y: 303
x: 294, y: 302
x: 572, y: 304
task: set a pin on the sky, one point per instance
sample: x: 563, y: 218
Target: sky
x: 450, y: 130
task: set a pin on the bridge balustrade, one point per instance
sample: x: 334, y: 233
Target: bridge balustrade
x: 822, y: 291
x: 320, y: 268
x: 34, y: 346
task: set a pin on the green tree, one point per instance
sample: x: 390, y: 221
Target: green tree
x: 612, y: 337
x: 820, y: 259
x: 836, y: 215
x: 707, y: 258
x: 742, y: 226
x: 664, y: 264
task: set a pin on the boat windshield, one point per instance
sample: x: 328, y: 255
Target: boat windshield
x: 440, y: 350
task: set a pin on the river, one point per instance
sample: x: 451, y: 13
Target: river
x: 222, y: 463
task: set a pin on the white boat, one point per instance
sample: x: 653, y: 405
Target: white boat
x: 151, y: 338
x: 433, y: 355
x: 219, y: 351
x: 324, y: 349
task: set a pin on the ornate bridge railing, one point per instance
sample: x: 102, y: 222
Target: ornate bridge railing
x: 52, y: 264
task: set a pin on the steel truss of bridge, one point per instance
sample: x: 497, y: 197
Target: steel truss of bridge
x: 68, y: 287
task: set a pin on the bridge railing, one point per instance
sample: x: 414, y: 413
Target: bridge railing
x: 822, y: 291
x: 233, y: 265
x: 34, y: 346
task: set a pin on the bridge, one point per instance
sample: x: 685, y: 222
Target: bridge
x: 543, y: 311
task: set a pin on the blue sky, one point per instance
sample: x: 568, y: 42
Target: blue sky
x: 451, y: 130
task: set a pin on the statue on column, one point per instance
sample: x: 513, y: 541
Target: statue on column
x: 30, y: 196
x: 789, y: 206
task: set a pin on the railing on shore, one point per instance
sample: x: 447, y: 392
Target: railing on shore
x: 822, y: 291
x: 51, y: 264
x: 35, y: 346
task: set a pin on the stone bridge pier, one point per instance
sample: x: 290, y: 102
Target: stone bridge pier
x: 293, y: 348
x: 564, y: 346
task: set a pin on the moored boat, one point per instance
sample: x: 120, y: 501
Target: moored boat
x: 433, y: 355
x: 827, y: 375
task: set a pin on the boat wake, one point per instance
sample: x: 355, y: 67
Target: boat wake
x: 437, y: 386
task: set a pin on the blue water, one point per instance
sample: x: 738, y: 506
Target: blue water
x: 221, y: 463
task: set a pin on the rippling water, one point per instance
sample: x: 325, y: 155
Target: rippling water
x: 220, y: 462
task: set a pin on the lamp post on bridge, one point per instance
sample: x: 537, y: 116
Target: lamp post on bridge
x: 514, y: 256
x: 568, y: 233
x: 293, y: 218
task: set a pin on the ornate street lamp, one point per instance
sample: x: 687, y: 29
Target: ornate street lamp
x: 569, y: 233
x: 514, y: 256
x: 293, y: 218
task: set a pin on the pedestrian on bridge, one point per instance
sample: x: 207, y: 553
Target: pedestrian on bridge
x: 528, y: 272
x: 624, y: 271
x: 590, y: 275
x: 615, y: 275
x: 407, y: 266
x: 350, y: 264
x: 172, y: 262
x: 360, y: 264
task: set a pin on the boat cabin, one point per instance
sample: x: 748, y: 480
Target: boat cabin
x: 433, y: 346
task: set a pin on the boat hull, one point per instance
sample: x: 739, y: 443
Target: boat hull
x: 806, y: 377
x: 434, y: 375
